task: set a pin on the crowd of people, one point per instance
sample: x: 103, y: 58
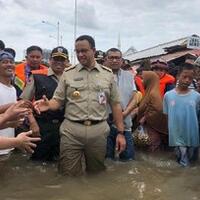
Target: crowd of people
x: 95, y: 109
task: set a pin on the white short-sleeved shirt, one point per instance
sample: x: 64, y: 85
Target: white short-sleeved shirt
x: 7, y: 95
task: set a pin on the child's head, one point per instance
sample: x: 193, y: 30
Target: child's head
x: 185, y: 75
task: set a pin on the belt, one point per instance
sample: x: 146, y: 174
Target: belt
x: 88, y: 122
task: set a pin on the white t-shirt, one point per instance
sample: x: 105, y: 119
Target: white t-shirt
x: 7, y: 95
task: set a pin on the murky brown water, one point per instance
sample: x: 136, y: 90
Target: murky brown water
x: 151, y: 177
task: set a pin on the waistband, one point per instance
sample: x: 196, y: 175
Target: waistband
x: 87, y: 122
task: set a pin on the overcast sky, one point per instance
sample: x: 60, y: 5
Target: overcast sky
x: 140, y: 23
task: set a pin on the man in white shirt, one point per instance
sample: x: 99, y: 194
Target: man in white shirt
x: 7, y: 91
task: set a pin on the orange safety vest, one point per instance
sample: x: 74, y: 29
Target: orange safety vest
x: 139, y: 84
x: 166, y: 79
x: 40, y: 71
x: 20, y: 77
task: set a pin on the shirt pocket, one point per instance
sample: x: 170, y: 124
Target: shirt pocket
x: 75, y: 90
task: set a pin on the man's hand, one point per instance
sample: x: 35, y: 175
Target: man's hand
x: 124, y: 113
x: 25, y: 142
x: 120, y: 143
x: 41, y: 105
x: 25, y: 104
x: 134, y: 112
x: 16, y: 112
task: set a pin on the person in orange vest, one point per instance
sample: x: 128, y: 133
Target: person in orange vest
x: 167, y: 82
x: 49, y: 122
x: 23, y: 72
x: 25, y: 69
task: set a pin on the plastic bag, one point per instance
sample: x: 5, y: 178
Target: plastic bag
x: 140, y: 136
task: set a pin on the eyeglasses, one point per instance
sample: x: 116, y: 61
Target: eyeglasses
x: 83, y: 51
x: 114, y: 58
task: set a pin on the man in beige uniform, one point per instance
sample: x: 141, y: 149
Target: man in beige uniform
x: 86, y: 90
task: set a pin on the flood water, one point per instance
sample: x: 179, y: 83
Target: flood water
x: 150, y: 177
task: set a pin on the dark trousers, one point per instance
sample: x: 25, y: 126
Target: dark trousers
x: 48, y: 148
x: 128, y: 153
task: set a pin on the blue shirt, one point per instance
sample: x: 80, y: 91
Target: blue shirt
x: 182, y: 110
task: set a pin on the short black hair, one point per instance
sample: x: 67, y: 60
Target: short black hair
x: 11, y: 51
x: 33, y: 48
x: 88, y: 38
x: 113, y: 50
x: 2, y: 45
x: 186, y: 66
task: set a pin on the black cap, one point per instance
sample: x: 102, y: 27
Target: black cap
x: 99, y: 55
x: 6, y: 55
x: 59, y: 52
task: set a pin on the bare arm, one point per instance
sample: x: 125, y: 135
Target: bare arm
x: 23, y: 141
x: 3, y: 119
x: 13, y: 113
x: 4, y: 107
x: 117, y: 116
x: 131, y: 105
x: 55, y: 104
x: 118, y: 120
x: 33, y: 125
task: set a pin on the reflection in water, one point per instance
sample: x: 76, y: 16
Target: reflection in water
x: 150, y: 177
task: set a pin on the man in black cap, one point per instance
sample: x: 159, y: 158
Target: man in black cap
x: 48, y: 122
x: 11, y: 51
x: 99, y: 57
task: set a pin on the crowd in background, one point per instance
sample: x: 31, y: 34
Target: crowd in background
x: 98, y: 109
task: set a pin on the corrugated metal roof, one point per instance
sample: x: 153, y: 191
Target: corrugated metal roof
x: 155, y: 51
x: 172, y: 56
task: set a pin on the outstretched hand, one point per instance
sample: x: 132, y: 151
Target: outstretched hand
x: 17, y: 111
x: 41, y: 105
x: 26, y: 143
